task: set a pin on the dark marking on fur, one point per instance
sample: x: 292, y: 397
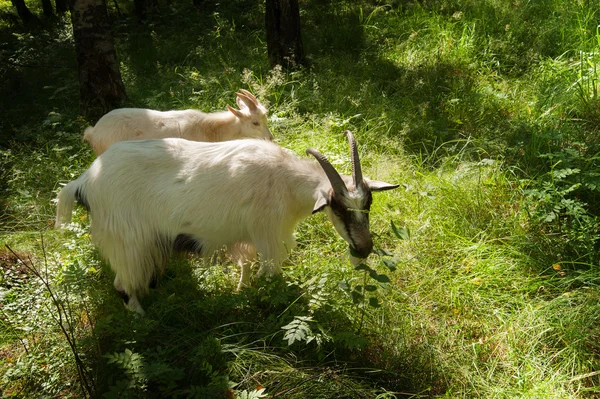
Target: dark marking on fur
x: 124, y: 296
x: 167, y: 244
x: 187, y: 243
x: 153, y: 282
x: 81, y: 199
x: 349, y: 219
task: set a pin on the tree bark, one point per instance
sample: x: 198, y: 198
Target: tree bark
x: 24, y: 13
x: 47, y: 8
x: 100, y: 86
x: 284, y: 41
x: 140, y: 8
x: 143, y: 7
x: 61, y: 6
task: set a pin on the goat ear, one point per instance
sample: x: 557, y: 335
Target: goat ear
x: 250, y: 96
x: 235, y: 111
x: 243, y: 101
x: 375, y: 185
x: 322, y: 202
x: 240, y: 102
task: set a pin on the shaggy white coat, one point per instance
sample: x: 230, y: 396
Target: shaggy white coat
x: 247, y: 195
x: 125, y: 124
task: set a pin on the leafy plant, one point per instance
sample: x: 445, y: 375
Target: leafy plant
x: 565, y: 199
x: 255, y: 394
x: 363, y: 295
x: 63, y: 314
x: 140, y: 373
x: 298, y: 330
x: 465, y: 103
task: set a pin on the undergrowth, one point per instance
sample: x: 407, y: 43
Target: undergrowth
x: 484, y: 281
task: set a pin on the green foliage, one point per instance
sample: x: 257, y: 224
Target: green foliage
x: 48, y: 304
x: 298, y: 330
x: 484, y: 281
x: 400, y: 232
x: 363, y: 292
x: 256, y: 394
x: 139, y: 373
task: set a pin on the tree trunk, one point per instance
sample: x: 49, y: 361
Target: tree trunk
x: 100, y: 86
x: 61, y: 6
x: 47, y: 7
x: 140, y: 8
x: 143, y: 7
x: 284, y: 41
x: 24, y: 13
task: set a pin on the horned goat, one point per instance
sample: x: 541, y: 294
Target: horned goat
x: 125, y: 124
x: 155, y: 196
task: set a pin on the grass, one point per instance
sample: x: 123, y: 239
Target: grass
x: 486, y: 114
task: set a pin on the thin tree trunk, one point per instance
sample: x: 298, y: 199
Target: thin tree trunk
x: 61, y: 6
x: 47, y: 7
x: 24, y: 13
x: 143, y: 7
x: 284, y: 41
x: 100, y: 86
x: 140, y: 8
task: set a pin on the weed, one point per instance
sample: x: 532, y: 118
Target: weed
x: 485, y: 112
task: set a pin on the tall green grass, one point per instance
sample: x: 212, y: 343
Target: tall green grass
x: 486, y: 114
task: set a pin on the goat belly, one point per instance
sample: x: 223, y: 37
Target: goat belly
x: 187, y: 243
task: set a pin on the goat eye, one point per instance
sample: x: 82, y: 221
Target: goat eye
x: 255, y: 123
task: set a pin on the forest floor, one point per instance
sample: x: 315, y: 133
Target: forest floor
x: 487, y: 276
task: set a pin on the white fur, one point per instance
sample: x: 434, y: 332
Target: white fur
x: 247, y: 195
x: 126, y: 124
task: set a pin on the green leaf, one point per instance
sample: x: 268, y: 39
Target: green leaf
x: 370, y: 288
x: 390, y: 264
x: 297, y: 330
x: 344, y: 286
x: 401, y: 232
x: 382, y: 252
x: 550, y: 216
x: 362, y: 266
x: 357, y: 297
x: 256, y: 394
x: 560, y: 174
x: 374, y: 302
x: 382, y: 278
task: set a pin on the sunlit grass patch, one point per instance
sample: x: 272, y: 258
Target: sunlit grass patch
x: 485, y: 282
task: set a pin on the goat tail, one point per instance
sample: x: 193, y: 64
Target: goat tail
x: 64, y: 203
x: 87, y: 134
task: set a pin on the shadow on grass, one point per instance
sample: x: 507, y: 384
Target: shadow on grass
x: 197, y: 334
x: 420, y: 108
x: 38, y: 75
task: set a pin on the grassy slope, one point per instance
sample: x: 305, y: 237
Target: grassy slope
x: 454, y: 100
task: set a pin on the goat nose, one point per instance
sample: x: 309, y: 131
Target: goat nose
x: 362, y: 252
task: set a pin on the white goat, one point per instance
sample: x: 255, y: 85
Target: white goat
x: 152, y: 197
x: 125, y: 124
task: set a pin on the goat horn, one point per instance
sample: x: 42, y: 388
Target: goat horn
x: 338, y: 185
x: 247, y: 100
x: 356, y: 170
x: 249, y: 95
